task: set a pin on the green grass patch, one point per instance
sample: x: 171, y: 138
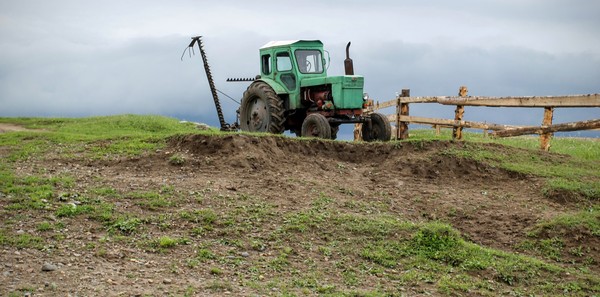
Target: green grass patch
x: 164, y: 243
x: 204, y: 216
x: 125, y: 225
x: 44, y: 226
x: 153, y: 200
x: 571, y: 171
x: 588, y: 219
x: 23, y: 240
x: 72, y: 209
x: 92, y: 137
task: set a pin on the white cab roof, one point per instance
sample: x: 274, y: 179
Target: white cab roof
x: 284, y: 42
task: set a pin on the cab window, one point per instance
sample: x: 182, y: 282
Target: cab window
x: 266, y: 64
x: 309, y: 61
x: 284, y: 62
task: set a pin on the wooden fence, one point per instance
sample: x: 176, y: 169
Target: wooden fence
x: 402, y: 118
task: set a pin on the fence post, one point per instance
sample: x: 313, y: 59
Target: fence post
x: 459, y: 113
x: 402, y: 109
x: 547, y: 121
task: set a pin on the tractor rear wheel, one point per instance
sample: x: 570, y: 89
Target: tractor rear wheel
x: 380, y: 128
x: 316, y: 125
x: 261, y: 109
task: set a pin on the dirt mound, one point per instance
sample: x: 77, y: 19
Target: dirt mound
x: 420, y: 180
x: 415, y: 159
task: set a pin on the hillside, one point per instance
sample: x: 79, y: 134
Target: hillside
x: 145, y: 206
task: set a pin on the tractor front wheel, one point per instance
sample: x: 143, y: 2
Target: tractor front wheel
x: 334, y: 131
x: 261, y: 109
x: 380, y: 128
x: 316, y: 125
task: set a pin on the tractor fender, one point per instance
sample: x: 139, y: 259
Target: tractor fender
x: 278, y: 88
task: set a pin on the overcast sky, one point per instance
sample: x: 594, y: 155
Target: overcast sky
x: 81, y: 58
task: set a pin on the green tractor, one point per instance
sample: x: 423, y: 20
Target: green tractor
x: 293, y: 92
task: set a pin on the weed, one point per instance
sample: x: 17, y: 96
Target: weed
x: 72, y: 209
x: 21, y: 240
x: 105, y: 192
x: 215, y: 271
x: 44, y: 226
x: 204, y: 216
x: 166, y: 242
x: 587, y: 219
x: 549, y: 248
x: 125, y: 225
x: 163, y: 243
x: 435, y: 238
x: 204, y: 254
x: 152, y: 200
x: 382, y: 253
x: 219, y: 286
x: 177, y: 160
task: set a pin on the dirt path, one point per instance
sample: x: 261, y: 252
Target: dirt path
x: 5, y: 127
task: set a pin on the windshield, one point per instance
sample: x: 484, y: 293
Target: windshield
x: 309, y: 61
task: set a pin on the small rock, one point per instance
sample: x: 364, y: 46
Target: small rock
x: 167, y: 281
x: 49, y: 267
x: 202, y: 126
x: 245, y: 254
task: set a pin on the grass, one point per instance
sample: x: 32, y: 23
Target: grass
x: 572, y: 176
x: 589, y: 219
x: 93, y: 137
x: 354, y: 247
x: 21, y: 241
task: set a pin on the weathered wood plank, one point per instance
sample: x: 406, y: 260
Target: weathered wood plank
x: 382, y: 105
x: 431, y: 99
x: 451, y: 123
x: 572, y: 126
x: 589, y: 100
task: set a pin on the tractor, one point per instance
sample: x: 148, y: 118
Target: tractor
x: 293, y: 92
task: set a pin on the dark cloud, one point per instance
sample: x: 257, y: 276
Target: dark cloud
x: 71, y: 58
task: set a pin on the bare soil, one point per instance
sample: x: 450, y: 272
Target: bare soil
x: 490, y: 206
x: 5, y: 127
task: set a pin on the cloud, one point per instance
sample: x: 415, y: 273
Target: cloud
x: 73, y: 58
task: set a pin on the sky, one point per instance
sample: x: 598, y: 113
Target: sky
x: 73, y: 58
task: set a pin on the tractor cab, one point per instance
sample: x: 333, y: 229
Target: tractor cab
x: 284, y: 64
x: 296, y: 71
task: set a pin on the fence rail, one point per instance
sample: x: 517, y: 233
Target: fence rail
x: 402, y: 118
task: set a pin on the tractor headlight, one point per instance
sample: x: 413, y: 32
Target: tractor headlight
x: 365, y: 96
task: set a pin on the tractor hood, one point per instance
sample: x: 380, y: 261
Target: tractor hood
x: 345, y: 81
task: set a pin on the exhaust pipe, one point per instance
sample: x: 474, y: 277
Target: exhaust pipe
x: 348, y: 65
